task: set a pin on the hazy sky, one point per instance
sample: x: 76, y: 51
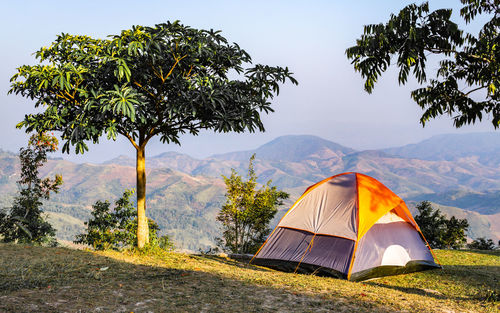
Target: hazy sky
x: 308, y: 37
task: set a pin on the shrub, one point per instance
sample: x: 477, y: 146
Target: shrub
x: 482, y: 244
x: 24, y: 221
x: 247, y: 212
x: 117, y: 229
x: 439, y: 231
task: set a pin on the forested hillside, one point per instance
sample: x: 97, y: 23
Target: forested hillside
x: 185, y: 193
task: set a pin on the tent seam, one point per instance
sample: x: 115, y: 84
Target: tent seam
x: 308, y: 249
x: 319, y: 234
x: 357, y: 229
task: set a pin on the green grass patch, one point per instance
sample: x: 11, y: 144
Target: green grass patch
x: 36, y: 279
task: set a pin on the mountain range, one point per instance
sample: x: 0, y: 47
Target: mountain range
x: 460, y: 174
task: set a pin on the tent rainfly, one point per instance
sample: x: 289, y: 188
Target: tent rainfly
x: 348, y: 226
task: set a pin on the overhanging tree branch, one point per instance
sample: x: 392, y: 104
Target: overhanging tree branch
x: 471, y: 61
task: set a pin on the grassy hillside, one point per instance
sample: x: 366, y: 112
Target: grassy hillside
x: 35, y: 279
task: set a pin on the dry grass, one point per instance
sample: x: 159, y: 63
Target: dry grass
x: 34, y: 279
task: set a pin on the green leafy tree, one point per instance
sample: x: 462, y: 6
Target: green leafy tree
x: 481, y: 243
x: 455, y: 235
x: 439, y: 231
x: 117, y: 228
x: 467, y: 80
x: 160, y: 81
x: 25, y: 222
x: 246, y: 215
x: 431, y: 222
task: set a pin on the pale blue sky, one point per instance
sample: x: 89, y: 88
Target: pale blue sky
x: 308, y: 37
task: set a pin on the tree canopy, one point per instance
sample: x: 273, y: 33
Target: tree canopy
x: 161, y: 81
x: 467, y: 81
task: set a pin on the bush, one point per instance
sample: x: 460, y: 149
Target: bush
x: 246, y: 215
x: 117, y: 229
x: 439, y: 231
x: 24, y: 222
x: 482, y: 244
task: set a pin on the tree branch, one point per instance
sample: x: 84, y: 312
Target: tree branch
x: 149, y: 92
x: 474, y: 56
x: 177, y: 60
x: 122, y: 132
x: 475, y: 89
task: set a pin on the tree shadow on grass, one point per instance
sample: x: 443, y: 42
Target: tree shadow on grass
x: 413, y: 290
x: 233, y: 262
x: 36, y: 279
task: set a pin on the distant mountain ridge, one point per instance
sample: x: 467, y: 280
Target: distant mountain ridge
x: 313, y: 158
x: 185, y: 193
x: 451, y: 147
x: 291, y: 148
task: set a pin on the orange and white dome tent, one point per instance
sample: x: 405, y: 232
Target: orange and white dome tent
x: 350, y: 226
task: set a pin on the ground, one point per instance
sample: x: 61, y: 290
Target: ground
x: 36, y: 279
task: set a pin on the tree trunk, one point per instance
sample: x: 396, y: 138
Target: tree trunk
x: 142, y: 222
x: 236, y: 249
